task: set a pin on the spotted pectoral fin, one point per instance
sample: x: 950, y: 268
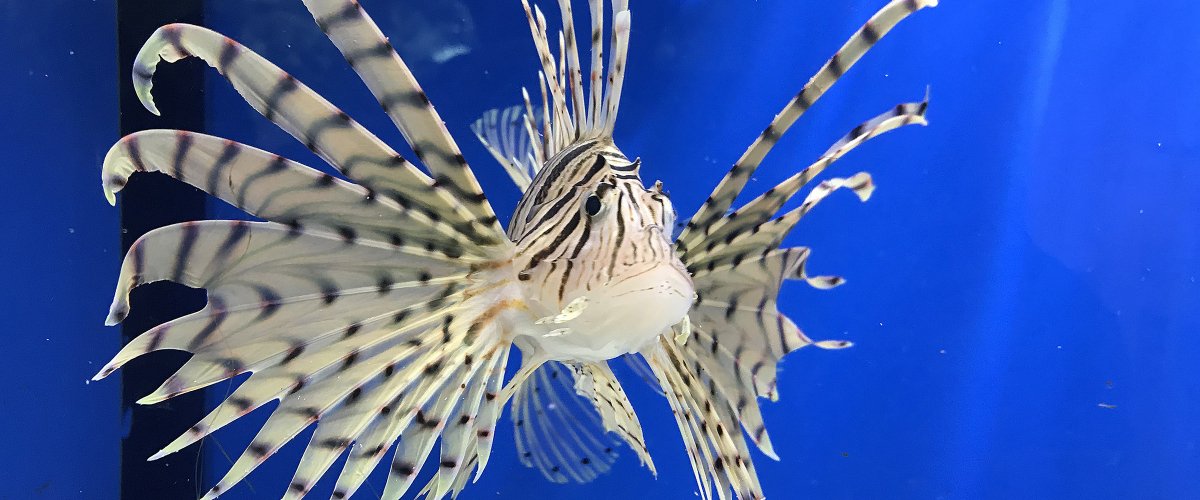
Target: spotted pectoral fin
x: 738, y: 332
x: 466, y: 424
x: 417, y: 425
x: 413, y: 381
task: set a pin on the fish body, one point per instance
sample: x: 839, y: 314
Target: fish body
x: 383, y: 304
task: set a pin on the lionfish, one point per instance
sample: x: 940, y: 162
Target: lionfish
x: 383, y: 304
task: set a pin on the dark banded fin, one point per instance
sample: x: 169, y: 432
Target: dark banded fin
x: 761, y: 209
x: 768, y: 235
x: 235, y: 259
x: 596, y: 69
x: 416, y: 422
x: 600, y: 384
x: 277, y: 189
x: 559, y: 126
x: 716, y: 448
x: 315, y: 122
x: 310, y: 356
x: 731, y: 185
x: 266, y: 285
x: 616, y: 67
x: 394, y: 86
x: 572, y: 110
x: 458, y: 455
x: 345, y: 332
x: 737, y: 333
x: 573, y: 70
x: 403, y: 382
x: 335, y: 434
x: 429, y: 420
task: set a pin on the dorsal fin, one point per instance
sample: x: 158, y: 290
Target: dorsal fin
x: 569, y: 116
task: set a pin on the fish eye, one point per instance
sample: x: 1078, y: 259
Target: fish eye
x: 592, y: 205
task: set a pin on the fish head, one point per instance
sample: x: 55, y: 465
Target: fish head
x: 613, y: 281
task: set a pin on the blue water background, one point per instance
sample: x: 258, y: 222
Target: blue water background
x: 1030, y: 256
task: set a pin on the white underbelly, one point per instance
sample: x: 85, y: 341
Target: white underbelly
x: 617, y: 318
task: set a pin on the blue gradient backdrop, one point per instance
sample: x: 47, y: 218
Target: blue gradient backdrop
x: 1030, y: 256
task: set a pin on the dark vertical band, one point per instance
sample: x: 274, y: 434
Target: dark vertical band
x: 149, y: 202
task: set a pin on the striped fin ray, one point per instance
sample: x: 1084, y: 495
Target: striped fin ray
x: 574, y: 72
x: 560, y: 128
x: 409, y: 386
x: 458, y: 454
x: 319, y: 125
x: 353, y: 325
x: 596, y: 70
x: 507, y: 135
x: 335, y: 328
x: 731, y: 185
x: 770, y: 234
x: 263, y: 263
x: 577, y: 111
x: 616, y: 69
x: 274, y: 295
x: 381, y: 432
x: 489, y: 415
x: 372, y: 56
x: 317, y: 401
x: 598, y: 382
x: 557, y: 432
x: 337, y: 432
x: 417, y: 441
x: 714, y: 378
x: 277, y: 189
x: 739, y: 335
x: 434, y: 489
x: 709, y: 433
x: 764, y: 207
x: 329, y: 352
x: 418, y: 416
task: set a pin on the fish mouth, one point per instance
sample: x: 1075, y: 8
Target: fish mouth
x: 652, y: 274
